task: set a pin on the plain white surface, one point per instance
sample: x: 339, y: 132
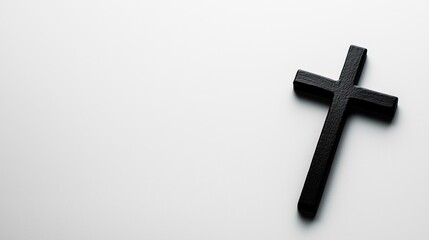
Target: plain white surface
x: 178, y: 120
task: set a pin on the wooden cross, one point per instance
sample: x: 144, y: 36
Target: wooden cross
x: 344, y: 95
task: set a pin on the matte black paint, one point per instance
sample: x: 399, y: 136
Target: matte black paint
x: 344, y: 96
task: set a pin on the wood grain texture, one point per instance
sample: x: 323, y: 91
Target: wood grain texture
x: 344, y: 96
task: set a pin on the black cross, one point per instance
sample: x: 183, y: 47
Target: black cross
x: 344, y: 95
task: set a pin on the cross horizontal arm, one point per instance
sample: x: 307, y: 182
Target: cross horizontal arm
x: 313, y: 84
x: 374, y: 102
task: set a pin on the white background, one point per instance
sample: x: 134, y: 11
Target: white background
x: 178, y: 120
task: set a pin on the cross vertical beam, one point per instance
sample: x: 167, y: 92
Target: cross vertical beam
x: 344, y: 95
